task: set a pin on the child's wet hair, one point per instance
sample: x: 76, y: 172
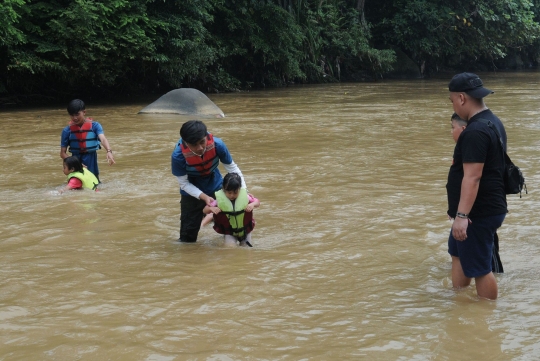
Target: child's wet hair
x: 232, y: 182
x: 75, y: 106
x: 73, y: 163
x: 458, y: 119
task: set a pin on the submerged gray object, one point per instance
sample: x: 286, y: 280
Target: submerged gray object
x: 187, y: 101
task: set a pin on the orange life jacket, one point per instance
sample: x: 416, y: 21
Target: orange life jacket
x: 82, y: 139
x: 197, y: 166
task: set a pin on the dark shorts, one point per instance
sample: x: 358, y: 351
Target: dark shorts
x: 475, y: 253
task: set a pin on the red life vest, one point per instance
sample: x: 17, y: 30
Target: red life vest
x: 196, y: 165
x: 82, y: 139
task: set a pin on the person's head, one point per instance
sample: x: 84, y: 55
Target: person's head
x: 72, y: 164
x: 231, y: 185
x: 458, y: 125
x: 77, y: 111
x: 467, y: 94
x: 193, y: 133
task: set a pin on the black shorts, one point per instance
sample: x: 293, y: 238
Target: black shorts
x: 475, y: 253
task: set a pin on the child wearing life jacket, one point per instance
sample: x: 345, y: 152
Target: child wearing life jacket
x: 78, y: 177
x: 233, y: 211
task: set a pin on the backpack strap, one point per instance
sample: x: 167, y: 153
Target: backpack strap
x: 507, y: 162
x: 490, y: 124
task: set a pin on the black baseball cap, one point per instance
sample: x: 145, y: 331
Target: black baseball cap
x: 470, y: 84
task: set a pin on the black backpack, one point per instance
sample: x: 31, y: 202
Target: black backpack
x: 514, y: 182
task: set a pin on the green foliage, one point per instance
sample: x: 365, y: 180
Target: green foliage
x: 10, y: 35
x: 60, y: 47
x: 533, y: 50
x: 10, y: 14
x: 80, y: 43
x: 333, y: 30
x: 475, y: 30
x: 182, y: 40
x: 259, y: 43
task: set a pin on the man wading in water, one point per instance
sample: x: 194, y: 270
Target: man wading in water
x: 194, y: 162
x: 475, y: 188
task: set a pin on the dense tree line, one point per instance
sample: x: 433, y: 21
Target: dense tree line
x: 52, y: 49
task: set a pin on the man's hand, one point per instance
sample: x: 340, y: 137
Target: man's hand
x: 459, y: 228
x: 110, y: 158
x: 207, y: 199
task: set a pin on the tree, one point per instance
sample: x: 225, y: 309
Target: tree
x: 10, y: 35
x: 477, y: 30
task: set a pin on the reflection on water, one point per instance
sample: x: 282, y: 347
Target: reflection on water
x: 350, y: 256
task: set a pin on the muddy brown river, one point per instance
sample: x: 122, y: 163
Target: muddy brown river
x: 349, y: 260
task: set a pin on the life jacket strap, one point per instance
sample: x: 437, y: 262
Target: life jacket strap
x: 234, y: 213
x: 230, y: 229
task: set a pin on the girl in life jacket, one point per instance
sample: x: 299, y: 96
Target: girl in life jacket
x: 78, y: 177
x: 233, y: 211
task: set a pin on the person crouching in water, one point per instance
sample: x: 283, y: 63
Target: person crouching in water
x: 233, y: 211
x: 78, y: 176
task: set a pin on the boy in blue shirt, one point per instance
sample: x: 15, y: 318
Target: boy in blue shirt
x: 84, y: 137
x: 194, y: 162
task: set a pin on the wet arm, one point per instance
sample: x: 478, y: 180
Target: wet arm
x: 105, y: 142
x: 472, y: 172
x: 253, y: 204
x: 63, y: 152
x: 256, y: 203
x: 73, y: 183
x: 207, y: 210
x: 192, y: 190
x: 66, y: 188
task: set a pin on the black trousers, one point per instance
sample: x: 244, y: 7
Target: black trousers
x: 191, y: 216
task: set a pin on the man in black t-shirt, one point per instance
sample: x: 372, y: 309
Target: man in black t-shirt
x: 475, y: 188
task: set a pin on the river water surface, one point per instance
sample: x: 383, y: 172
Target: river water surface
x: 349, y: 261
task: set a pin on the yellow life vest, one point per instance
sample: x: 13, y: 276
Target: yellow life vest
x: 87, y: 178
x: 233, y: 219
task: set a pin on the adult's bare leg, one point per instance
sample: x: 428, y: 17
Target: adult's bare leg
x: 486, y: 286
x: 459, y: 280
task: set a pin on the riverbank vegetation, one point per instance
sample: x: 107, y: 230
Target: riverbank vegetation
x: 61, y: 48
